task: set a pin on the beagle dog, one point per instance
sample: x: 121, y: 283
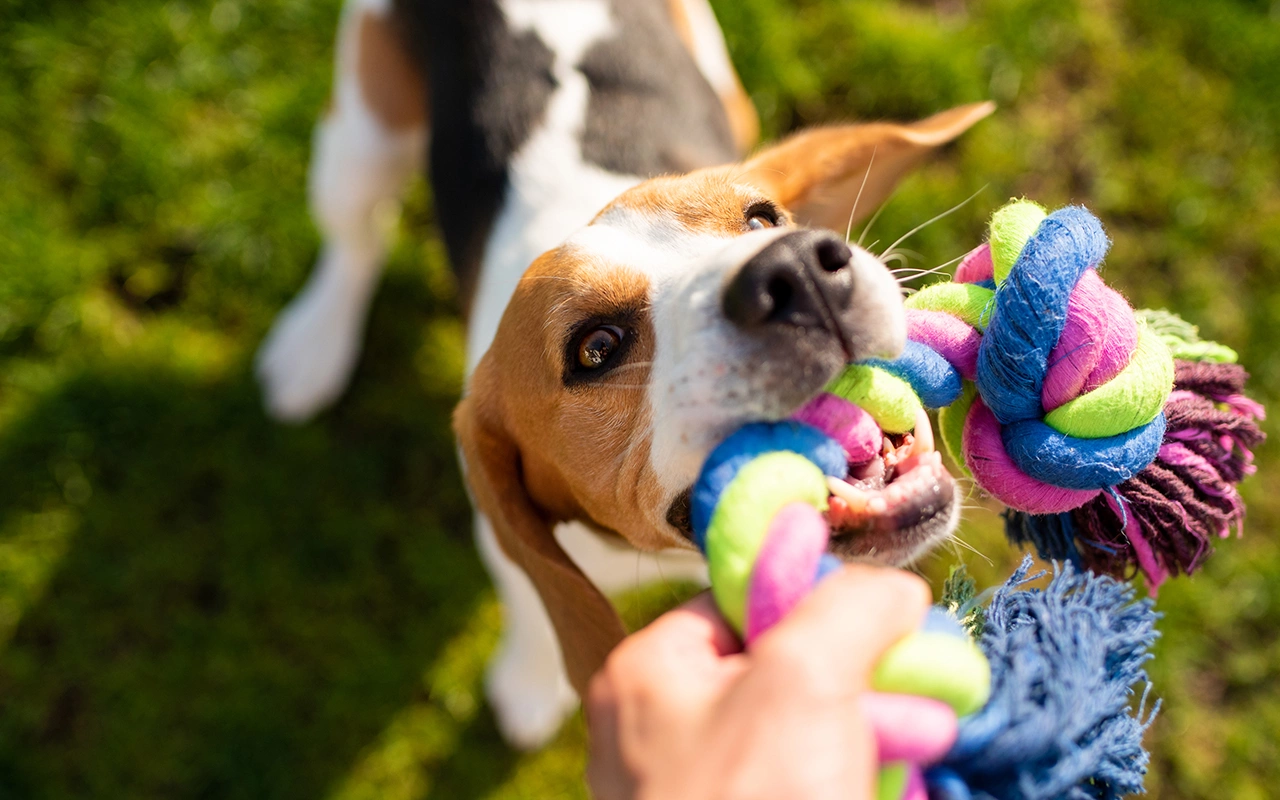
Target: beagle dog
x: 634, y: 290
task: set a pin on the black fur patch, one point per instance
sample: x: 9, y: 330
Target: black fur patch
x: 489, y: 89
x: 651, y: 110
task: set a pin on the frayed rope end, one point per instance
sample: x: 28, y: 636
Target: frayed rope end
x: 1162, y: 522
x: 1062, y: 721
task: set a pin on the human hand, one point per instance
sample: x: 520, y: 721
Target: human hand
x: 680, y: 711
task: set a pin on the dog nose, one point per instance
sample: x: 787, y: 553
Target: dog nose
x: 802, y: 279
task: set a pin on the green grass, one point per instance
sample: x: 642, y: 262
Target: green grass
x: 195, y: 602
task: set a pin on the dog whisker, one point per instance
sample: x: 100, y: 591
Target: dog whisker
x: 900, y: 258
x: 634, y: 365
x: 853, y: 211
x: 912, y: 254
x: 561, y: 278
x: 657, y: 562
x: 903, y: 257
x: 929, y: 222
x: 872, y: 221
x: 909, y: 275
x: 962, y: 543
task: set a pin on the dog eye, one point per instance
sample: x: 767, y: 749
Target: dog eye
x: 598, y: 346
x: 761, y: 216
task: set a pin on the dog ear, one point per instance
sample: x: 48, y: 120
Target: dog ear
x: 818, y: 173
x: 586, y: 623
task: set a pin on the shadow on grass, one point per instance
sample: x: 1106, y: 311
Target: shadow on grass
x: 201, y: 603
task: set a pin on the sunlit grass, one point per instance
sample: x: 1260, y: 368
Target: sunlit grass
x: 196, y: 602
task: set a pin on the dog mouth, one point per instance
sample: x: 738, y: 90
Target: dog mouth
x: 891, y: 509
x: 898, y: 505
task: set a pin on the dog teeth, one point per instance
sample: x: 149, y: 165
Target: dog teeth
x: 916, y: 466
x: 856, y: 499
x: 896, y: 455
x: 923, y: 442
x: 909, y: 466
x: 858, y: 502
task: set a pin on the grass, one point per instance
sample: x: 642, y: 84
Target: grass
x: 197, y: 603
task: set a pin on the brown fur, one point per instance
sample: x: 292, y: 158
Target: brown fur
x: 706, y: 201
x: 389, y: 81
x: 818, y: 172
x: 539, y: 452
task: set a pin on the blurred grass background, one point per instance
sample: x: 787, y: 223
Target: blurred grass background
x: 197, y: 603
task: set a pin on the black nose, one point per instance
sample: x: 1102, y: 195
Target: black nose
x: 802, y: 279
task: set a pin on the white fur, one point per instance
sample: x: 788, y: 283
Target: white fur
x: 358, y: 171
x: 693, y: 398
x: 704, y: 383
x: 686, y: 273
x: 657, y: 244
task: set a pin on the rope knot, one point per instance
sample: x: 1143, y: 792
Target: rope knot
x: 1068, y: 406
x: 1070, y: 387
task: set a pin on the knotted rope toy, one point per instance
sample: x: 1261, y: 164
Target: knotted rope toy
x: 1038, y: 708
x: 1114, y: 437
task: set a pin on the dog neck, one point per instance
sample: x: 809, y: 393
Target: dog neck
x: 542, y: 112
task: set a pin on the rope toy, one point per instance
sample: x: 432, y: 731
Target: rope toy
x: 757, y: 518
x: 1037, y: 708
x: 1114, y: 437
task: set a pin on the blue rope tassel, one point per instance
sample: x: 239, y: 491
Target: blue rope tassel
x: 1061, y: 722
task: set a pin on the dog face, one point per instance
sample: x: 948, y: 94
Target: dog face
x: 689, y: 306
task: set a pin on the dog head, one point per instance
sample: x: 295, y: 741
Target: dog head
x: 690, y: 305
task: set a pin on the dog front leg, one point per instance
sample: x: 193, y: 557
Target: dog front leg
x: 371, y: 141
x: 526, y: 683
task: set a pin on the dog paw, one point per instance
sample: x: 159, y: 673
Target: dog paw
x: 307, y: 358
x: 529, y: 700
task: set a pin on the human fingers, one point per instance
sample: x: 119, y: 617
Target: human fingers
x: 909, y: 728
x: 607, y: 774
x: 674, y: 653
x: 688, y: 652
x: 832, y: 640
x: 651, y: 693
x: 697, y: 621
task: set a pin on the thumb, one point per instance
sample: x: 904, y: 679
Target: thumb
x: 838, y: 633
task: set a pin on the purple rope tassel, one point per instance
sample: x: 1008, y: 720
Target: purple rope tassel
x: 1163, y: 520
